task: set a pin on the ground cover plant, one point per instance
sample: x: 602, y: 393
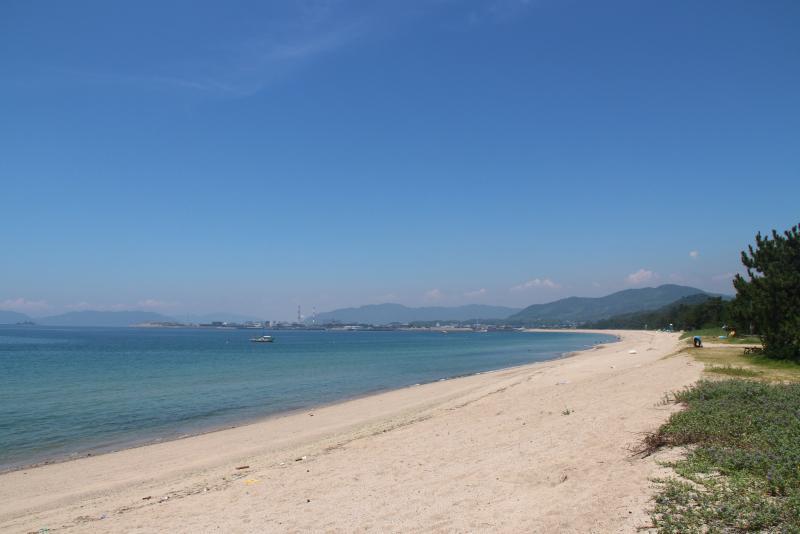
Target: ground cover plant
x: 762, y: 367
x: 730, y: 370
x: 742, y: 469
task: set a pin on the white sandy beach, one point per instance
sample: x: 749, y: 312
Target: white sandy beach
x: 492, y: 452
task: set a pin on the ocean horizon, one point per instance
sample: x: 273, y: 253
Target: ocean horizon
x: 73, y: 391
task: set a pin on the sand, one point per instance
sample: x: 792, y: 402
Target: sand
x: 491, y: 452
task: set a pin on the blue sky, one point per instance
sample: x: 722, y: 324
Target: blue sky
x: 249, y: 156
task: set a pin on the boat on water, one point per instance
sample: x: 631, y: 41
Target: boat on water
x: 262, y: 339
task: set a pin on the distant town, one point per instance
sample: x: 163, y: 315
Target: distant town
x: 443, y: 326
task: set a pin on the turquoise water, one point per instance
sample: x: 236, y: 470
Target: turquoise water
x: 72, y: 391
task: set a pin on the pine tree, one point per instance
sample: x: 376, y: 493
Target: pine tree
x: 768, y: 301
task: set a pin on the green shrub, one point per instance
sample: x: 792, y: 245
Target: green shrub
x: 744, y: 472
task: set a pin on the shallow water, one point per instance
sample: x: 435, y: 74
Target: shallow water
x: 70, y: 391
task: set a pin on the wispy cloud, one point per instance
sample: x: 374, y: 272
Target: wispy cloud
x: 308, y: 47
x: 642, y: 276
x: 434, y: 295
x: 146, y: 304
x: 155, y: 304
x: 535, y: 284
x: 694, y: 254
x: 723, y: 277
x: 244, y: 68
x: 497, y: 11
x: 477, y: 293
x: 85, y: 306
x: 235, y: 66
x: 24, y: 305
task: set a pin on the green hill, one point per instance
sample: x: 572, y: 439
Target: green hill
x: 578, y: 310
x: 695, y: 311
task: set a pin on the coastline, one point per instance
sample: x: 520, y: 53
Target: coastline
x: 190, y: 481
x: 158, y: 438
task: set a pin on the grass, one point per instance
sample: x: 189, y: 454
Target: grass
x: 718, y: 359
x: 743, y: 472
x: 729, y: 370
x: 711, y: 335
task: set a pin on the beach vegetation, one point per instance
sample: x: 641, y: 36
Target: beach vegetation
x: 730, y: 370
x: 741, y: 472
x: 763, y: 367
x: 768, y: 297
x: 689, y: 313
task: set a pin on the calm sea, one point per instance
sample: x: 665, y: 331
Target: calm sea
x: 70, y: 391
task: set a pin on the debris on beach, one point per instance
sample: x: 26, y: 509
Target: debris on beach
x: 147, y: 498
x: 243, y: 467
x: 632, y: 351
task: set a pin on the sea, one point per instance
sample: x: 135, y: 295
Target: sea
x: 70, y: 392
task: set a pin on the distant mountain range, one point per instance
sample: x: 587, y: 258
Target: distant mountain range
x: 102, y: 318
x: 118, y: 318
x: 10, y: 317
x: 87, y: 318
x: 380, y: 314
x: 572, y: 310
x: 673, y: 312
x: 584, y: 309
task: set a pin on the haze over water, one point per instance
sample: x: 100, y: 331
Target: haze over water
x: 71, y: 391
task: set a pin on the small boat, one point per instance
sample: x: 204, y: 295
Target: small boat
x: 262, y: 339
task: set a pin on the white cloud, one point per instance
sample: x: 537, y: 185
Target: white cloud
x: 641, y: 276
x: 434, y: 294
x: 535, y: 284
x: 84, y: 306
x: 477, y: 293
x: 79, y: 306
x: 24, y: 305
x: 694, y: 254
x: 155, y: 304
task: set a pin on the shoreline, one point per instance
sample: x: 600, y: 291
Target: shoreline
x: 424, y: 449
x: 170, y: 437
